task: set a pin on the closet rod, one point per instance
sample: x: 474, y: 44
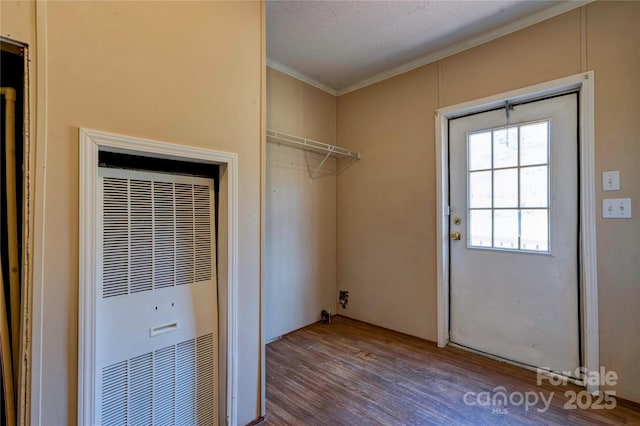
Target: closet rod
x: 308, y: 143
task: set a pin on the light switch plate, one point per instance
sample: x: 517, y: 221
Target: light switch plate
x: 611, y: 181
x: 616, y: 208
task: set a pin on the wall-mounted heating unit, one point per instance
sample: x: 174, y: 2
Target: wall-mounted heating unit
x: 156, y: 331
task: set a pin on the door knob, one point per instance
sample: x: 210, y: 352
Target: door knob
x: 455, y: 235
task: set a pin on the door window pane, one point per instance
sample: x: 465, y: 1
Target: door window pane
x: 505, y: 188
x: 533, y: 143
x: 533, y: 186
x: 505, y: 234
x: 480, y: 151
x: 480, y: 228
x: 479, y: 189
x: 505, y: 147
x: 535, y: 231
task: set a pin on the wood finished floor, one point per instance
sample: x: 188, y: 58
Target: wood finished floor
x: 352, y: 373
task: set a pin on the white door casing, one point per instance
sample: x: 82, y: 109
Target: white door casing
x: 514, y: 197
x: 91, y: 142
x: 584, y: 82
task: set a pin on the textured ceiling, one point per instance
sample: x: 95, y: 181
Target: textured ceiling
x: 339, y: 44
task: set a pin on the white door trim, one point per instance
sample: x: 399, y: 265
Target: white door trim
x: 588, y: 257
x: 91, y: 142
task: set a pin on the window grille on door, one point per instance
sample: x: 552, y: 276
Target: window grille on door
x: 508, y: 181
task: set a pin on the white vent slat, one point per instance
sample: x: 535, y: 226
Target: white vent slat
x: 141, y: 254
x: 184, y: 234
x: 202, y: 215
x: 185, y: 383
x: 114, y: 394
x: 205, y: 379
x: 164, y: 233
x: 164, y: 386
x: 141, y: 390
x: 115, y: 237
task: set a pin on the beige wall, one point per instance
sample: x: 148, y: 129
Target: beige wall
x: 300, y: 213
x: 18, y: 21
x: 613, y: 51
x: 386, y: 202
x: 182, y: 72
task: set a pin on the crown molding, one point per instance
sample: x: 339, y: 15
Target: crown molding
x: 299, y: 76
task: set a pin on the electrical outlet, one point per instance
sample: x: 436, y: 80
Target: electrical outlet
x: 616, y: 208
x: 611, y: 181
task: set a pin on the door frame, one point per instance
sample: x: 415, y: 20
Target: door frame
x: 584, y: 83
x: 91, y: 143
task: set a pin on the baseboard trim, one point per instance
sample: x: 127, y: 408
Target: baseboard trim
x: 626, y: 403
x: 258, y: 421
x: 384, y: 328
x: 282, y: 336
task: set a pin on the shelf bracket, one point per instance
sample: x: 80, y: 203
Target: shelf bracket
x: 314, y: 173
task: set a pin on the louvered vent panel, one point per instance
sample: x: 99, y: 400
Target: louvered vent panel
x: 155, y: 235
x: 175, y: 385
x: 164, y: 386
x: 164, y: 236
x: 114, y: 394
x: 115, y: 237
x: 184, y: 234
x: 141, y: 390
x: 205, y: 379
x: 186, y: 383
x: 141, y: 256
x: 202, y: 214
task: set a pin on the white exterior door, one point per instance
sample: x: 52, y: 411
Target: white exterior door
x: 514, y: 197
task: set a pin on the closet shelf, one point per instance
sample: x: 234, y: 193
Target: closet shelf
x: 330, y: 150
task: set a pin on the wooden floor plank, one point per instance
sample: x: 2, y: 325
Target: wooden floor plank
x: 352, y: 373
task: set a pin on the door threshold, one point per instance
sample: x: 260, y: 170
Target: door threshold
x: 537, y: 370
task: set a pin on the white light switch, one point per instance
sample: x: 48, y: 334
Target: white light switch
x: 616, y: 208
x: 611, y: 181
